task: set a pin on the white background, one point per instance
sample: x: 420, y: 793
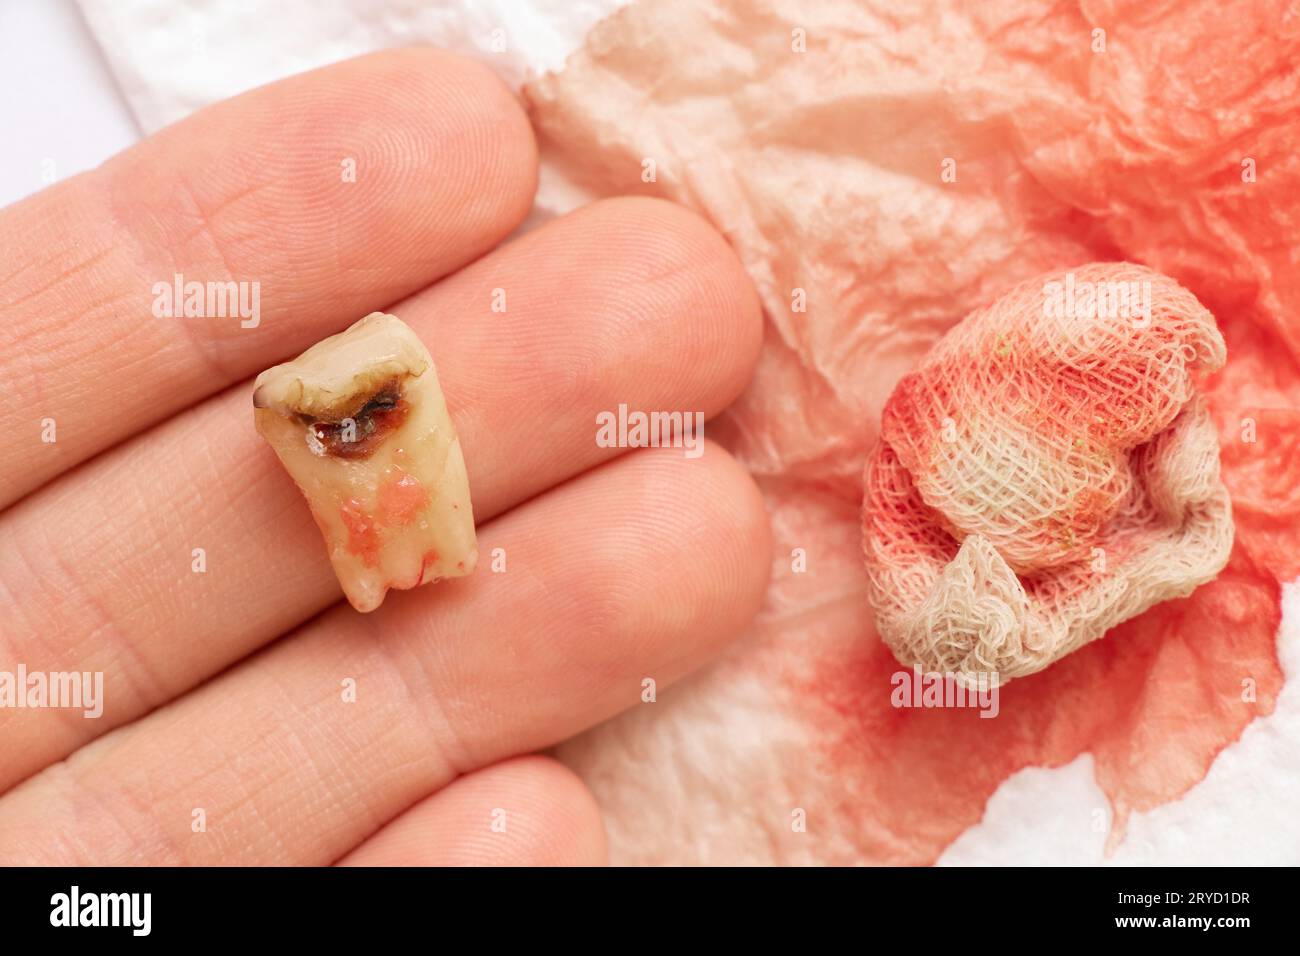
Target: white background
x: 58, y: 101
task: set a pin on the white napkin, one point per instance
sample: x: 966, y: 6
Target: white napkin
x: 173, y: 56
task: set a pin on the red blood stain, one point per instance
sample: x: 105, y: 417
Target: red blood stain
x: 363, y: 537
x: 1255, y: 401
x: 401, y: 498
x: 430, y: 558
x: 1154, y: 702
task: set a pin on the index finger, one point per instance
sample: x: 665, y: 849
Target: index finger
x: 278, y: 216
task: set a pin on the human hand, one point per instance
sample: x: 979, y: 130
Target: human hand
x: 149, y: 535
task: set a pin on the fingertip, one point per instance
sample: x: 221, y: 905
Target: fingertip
x: 376, y: 175
x: 722, y: 317
x: 748, y: 521
x: 579, y: 837
x: 493, y: 130
x: 740, y: 530
x: 696, y: 534
x: 524, y: 811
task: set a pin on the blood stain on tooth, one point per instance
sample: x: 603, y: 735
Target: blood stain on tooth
x: 430, y: 558
x: 401, y: 497
x: 363, y: 536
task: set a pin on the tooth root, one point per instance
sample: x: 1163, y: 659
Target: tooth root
x: 359, y: 422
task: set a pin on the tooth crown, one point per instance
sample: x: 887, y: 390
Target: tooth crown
x: 337, y: 376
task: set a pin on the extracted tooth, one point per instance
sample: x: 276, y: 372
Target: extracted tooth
x: 359, y: 422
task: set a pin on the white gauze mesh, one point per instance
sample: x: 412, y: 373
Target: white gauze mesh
x: 1047, y: 472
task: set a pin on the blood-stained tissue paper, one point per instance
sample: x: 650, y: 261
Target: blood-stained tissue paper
x: 883, y: 170
x: 360, y: 423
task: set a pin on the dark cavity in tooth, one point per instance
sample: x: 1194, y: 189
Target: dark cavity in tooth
x: 378, y: 418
